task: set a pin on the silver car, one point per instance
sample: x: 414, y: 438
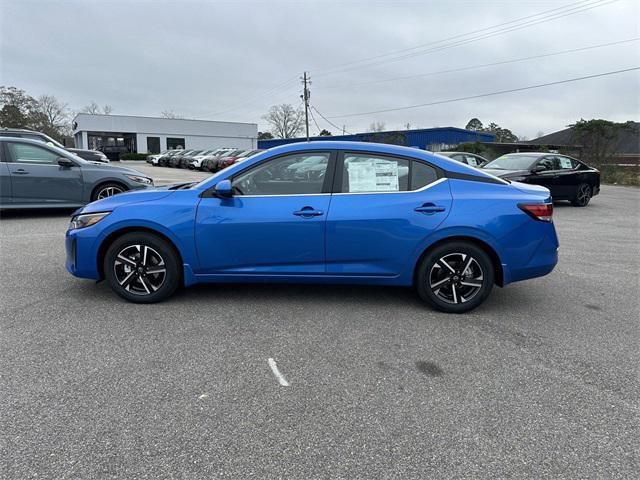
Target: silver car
x: 37, y: 175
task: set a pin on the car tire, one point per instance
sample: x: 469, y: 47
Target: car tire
x: 583, y: 195
x: 142, y: 268
x: 455, y: 277
x: 106, y: 190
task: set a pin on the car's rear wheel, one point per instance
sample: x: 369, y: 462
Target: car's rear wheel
x: 583, y: 195
x: 455, y: 277
x: 142, y: 267
x: 107, y: 190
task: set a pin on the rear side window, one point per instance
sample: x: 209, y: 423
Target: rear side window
x: 566, y: 163
x: 365, y: 173
x: 473, y: 161
x: 370, y: 174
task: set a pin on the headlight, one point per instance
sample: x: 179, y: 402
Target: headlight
x: 86, y: 219
x: 139, y: 179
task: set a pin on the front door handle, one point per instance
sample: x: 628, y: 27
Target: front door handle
x: 308, y: 212
x: 21, y: 171
x: 429, y: 208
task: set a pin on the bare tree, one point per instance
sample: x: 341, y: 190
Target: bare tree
x: 94, y: 109
x: 52, y: 115
x: 377, y: 127
x: 285, y: 120
x: 170, y: 114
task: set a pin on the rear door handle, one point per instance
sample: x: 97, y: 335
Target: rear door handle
x: 308, y: 212
x: 429, y: 208
x: 21, y: 171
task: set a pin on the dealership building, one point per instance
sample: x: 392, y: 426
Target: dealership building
x: 116, y: 134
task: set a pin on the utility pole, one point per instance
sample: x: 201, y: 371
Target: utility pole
x: 305, y: 97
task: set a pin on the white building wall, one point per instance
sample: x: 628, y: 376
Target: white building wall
x: 196, y: 133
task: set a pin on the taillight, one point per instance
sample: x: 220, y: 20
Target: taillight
x: 538, y: 211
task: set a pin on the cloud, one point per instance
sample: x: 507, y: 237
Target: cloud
x: 231, y: 60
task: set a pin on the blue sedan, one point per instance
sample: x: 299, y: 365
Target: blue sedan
x: 323, y: 212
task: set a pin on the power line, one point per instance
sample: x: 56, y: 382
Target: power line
x: 314, y: 120
x: 487, y: 94
x: 395, y: 52
x: 372, y: 61
x: 330, y: 122
x: 473, y: 67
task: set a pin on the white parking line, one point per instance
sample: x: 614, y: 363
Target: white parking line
x: 276, y: 372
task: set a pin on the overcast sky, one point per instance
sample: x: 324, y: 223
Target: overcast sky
x: 231, y: 60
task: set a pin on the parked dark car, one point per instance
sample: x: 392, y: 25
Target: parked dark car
x: 89, y: 155
x: 467, y: 158
x: 176, y: 160
x: 566, y: 177
x: 214, y: 164
x: 163, y: 160
x: 230, y: 160
x: 36, y: 175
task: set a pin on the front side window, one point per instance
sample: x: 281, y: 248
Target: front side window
x: 298, y: 174
x: 547, y: 163
x: 25, y: 153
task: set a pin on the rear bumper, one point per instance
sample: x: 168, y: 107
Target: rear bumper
x: 540, y: 262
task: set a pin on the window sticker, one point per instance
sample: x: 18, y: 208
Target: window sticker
x: 374, y: 175
x: 565, y: 163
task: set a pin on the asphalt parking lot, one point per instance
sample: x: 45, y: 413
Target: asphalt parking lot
x: 542, y: 381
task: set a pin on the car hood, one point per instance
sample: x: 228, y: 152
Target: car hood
x: 110, y: 167
x: 126, y: 198
x: 507, y: 173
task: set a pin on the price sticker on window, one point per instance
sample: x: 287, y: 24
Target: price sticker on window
x: 373, y: 175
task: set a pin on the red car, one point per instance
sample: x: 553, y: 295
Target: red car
x: 225, y: 162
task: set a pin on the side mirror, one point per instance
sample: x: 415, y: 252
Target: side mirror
x: 538, y: 169
x: 65, y: 162
x: 224, y: 189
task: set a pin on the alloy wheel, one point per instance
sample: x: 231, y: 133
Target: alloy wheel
x: 139, y: 269
x: 584, y: 194
x: 109, y: 191
x: 456, y: 278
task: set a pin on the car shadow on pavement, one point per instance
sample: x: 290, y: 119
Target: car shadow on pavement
x: 36, y: 213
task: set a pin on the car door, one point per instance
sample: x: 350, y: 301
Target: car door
x: 274, y: 224
x: 568, y: 178
x: 382, y: 208
x: 36, y: 176
x: 546, y: 177
x: 5, y: 180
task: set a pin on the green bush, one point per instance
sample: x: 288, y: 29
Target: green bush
x: 133, y: 156
x: 616, y: 175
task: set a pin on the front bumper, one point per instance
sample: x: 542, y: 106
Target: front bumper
x: 83, y: 266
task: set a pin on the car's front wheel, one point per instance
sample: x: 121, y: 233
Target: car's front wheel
x: 455, y: 277
x: 142, y: 267
x: 583, y: 195
x: 107, y: 190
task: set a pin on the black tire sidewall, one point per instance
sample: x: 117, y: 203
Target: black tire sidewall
x: 424, y: 269
x: 173, y: 276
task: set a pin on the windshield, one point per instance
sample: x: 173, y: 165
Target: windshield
x: 512, y: 162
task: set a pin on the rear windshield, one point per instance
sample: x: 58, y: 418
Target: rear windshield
x: 512, y: 162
